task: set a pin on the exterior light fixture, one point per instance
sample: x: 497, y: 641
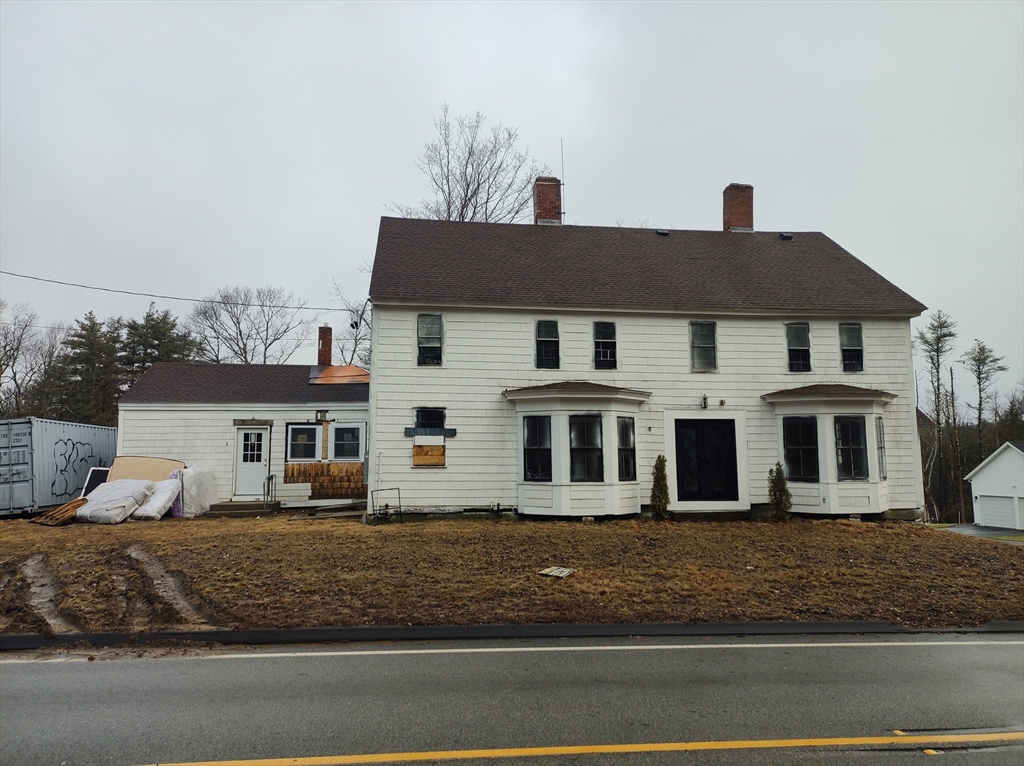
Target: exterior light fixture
x: 704, y: 402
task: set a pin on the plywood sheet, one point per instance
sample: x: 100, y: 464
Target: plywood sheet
x: 428, y: 455
x: 148, y: 468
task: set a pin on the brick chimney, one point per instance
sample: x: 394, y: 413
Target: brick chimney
x: 323, y: 349
x: 547, y: 201
x: 738, y: 208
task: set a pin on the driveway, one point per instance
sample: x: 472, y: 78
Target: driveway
x: 992, y: 533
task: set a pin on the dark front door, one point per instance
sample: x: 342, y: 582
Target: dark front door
x: 706, y: 460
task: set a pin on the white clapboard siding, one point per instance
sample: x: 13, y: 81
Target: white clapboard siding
x: 486, y: 351
x: 204, y: 435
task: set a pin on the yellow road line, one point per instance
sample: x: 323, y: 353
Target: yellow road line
x: 654, y: 747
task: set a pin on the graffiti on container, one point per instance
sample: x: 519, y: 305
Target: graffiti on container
x: 71, y: 461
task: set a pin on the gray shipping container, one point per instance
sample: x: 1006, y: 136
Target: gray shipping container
x: 44, y: 463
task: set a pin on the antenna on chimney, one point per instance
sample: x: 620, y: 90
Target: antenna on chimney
x: 561, y: 150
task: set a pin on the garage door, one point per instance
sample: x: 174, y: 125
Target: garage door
x: 997, y: 511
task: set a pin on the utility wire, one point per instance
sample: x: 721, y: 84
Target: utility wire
x: 169, y: 297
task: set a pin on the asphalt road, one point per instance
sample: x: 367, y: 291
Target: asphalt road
x: 504, y: 696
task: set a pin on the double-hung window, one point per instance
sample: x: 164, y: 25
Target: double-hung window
x: 798, y: 341
x: 586, y: 456
x: 880, y: 438
x: 702, y: 346
x: 537, y: 447
x: 604, y: 346
x: 627, y: 450
x: 303, y: 443
x: 851, y: 344
x: 851, y: 447
x: 547, y: 344
x: 346, y: 442
x: 428, y: 340
x: 800, y: 447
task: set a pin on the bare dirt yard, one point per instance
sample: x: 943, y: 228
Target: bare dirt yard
x: 278, y: 573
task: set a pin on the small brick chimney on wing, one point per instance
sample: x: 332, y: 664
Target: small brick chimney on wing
x: 738, y: 208
x: 323, y: 348
x: 547, y: 201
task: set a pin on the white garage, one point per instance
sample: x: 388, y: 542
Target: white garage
x: 997, y: 486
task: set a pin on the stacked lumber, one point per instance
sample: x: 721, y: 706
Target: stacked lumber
x: 61, y: 515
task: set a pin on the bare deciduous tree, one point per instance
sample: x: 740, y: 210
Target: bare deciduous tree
x: 984, y: 365
x: 936, y: 341
x: 475, y: 174
x: 246, y: 326
x: 27, y: 352
x: 353, y: 341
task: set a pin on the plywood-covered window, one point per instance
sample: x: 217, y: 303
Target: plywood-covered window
x: 429, y: 438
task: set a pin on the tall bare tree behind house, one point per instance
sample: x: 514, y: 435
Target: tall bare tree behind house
x: 475, y: 174
x: 245, y: 326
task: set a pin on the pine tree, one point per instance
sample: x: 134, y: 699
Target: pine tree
x: 659, y: 490
x: 779, y: 496
x: 91, y: 376
x: 156, y: 338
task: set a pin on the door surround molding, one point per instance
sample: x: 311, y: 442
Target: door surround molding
x: 254, y: 490
x: 739, y: 419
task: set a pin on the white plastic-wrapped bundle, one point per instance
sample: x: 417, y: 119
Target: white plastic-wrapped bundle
x: 198, y: 491
x: 114, y: 501
x: 164, y: 494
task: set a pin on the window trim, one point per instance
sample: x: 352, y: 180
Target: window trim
x: 604, y: 362
x: 883, y: 471
x: 694, y: 324
x: 854, y: 365
x: 360, y: 427
x: 790, y: 348
x: 854, y: 449
x: 801, y: 449
x: 527, y: 449
x: 587, y: 449
x: 537, y: 346
x: 317, y: 442
x: 420, y: 345
x: 628, y: 453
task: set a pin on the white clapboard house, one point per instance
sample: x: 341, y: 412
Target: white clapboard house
x: 545, y: 367
x: 296, y: 432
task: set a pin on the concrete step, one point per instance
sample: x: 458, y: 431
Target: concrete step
x: 240, y: 508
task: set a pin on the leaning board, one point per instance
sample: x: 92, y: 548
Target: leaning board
x: 148, y: 468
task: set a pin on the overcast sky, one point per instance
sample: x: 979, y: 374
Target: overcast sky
x: 178, y: 147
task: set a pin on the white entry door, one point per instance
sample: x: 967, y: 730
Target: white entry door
x: 252, y: 457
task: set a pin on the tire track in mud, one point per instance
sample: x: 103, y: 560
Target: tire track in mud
x: 168, y: 588
x: 43, y: 594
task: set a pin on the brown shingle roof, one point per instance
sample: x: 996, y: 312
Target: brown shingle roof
x: 590, y: 266
x: 184, y: 383
x: 829, y: 391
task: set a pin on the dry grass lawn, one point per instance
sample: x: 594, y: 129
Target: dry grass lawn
x: 276, y: 573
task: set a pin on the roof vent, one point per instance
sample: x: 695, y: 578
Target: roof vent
x: 786, y: 236
x: 662, y: 232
